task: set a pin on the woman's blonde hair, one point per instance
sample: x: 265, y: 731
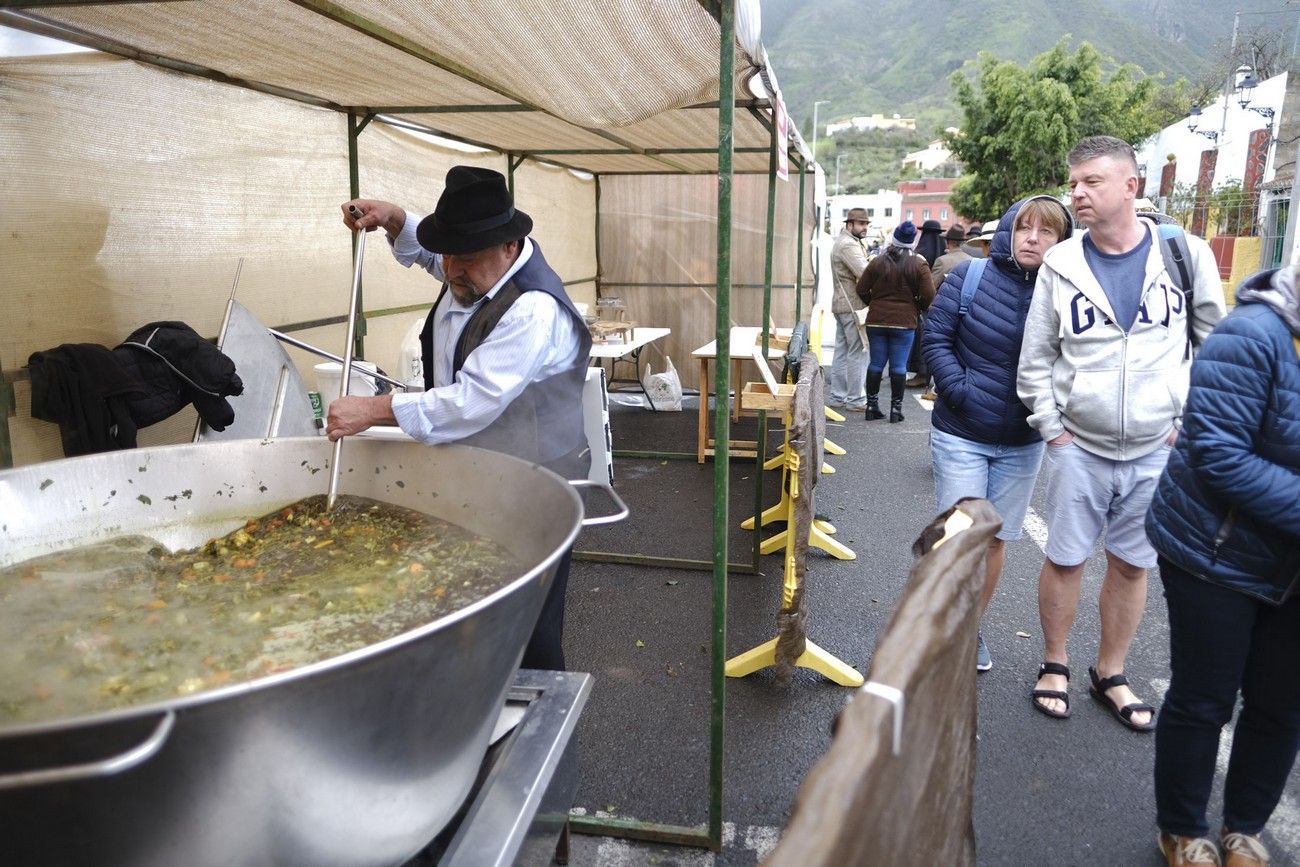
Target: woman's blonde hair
x: 1050, y: 213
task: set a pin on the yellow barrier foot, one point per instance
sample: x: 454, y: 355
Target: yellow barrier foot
x: 813, y: 658
x: 827, y: 469
x: 825, y: 526
x: 818, y: 539
x: 779, y: 512
x: 833, y: 415
x: 778, y: 460
x: 828, y: 666
x: 832, y: 448
x: 753, y: 660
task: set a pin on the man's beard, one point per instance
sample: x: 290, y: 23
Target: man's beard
x: 465, y: 295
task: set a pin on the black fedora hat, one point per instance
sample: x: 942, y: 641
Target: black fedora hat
x: 474, y: 212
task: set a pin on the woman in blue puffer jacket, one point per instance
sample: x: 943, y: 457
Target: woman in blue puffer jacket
x: 1225, y: 520
x: 980, y: 443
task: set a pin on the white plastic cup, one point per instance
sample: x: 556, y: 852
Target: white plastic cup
x: 329, y: 376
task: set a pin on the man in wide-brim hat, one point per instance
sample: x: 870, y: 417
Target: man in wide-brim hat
x: 504, y: 350
x: 849, y: 364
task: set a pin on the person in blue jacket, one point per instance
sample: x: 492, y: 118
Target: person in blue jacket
x: 980, y: 443
x: 1225, y: 521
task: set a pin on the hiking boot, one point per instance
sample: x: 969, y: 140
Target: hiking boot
x: 983, y: 661
x: 918, y: 381
x: 929, y: 394
x: 1188, y: 851
x: 1243, y: 850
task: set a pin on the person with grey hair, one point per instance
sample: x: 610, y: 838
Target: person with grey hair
x: 1103, y: 369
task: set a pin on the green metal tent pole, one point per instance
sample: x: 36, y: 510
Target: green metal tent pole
x: 355, y: 125
x: 722, y: 413
x: 761, y: 447
x: 798, y: 253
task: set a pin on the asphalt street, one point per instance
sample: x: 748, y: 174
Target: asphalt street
x: 1077, y: 791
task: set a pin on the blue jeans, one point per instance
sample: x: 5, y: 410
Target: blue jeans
x: 1222, y: 641
x: 1003, y: 475
x: 849, y: 366
x: 889, y: 344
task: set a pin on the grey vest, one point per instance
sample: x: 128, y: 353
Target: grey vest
x: 544, y: 423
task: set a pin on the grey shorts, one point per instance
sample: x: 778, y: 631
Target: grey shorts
x: 1087, y: 494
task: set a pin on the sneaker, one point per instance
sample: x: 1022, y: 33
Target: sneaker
x: 1188, y: 851
x: 1243, y: 850
x: 983, y: 661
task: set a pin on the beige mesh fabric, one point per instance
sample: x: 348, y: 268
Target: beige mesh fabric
x: 594, y: 76
x: 133, y: 194
x: 598, y: 65
x: 276, y: 43
x: 658, y: 252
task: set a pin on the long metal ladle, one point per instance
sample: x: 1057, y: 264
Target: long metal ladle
x: 347, y: 358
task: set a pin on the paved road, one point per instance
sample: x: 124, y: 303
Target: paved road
x: 1068, y: 792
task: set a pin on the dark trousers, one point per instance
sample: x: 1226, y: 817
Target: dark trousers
x: 1222, y: 642
x: 545, y: 649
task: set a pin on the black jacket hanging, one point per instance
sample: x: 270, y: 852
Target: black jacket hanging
x: 85, y: 390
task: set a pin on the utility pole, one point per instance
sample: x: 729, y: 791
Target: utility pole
x: 837, y: 173
x: 1229, y: 81
x: 814, y: 129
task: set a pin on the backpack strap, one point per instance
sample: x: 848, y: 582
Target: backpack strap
x: 970, y: 284
x: 1177, y: 256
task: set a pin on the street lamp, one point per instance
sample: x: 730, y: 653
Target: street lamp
x: 1194, y: 120
x: 1246, y: 85
x: 814, y: 135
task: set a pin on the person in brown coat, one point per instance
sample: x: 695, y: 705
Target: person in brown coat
x: 896, y: 288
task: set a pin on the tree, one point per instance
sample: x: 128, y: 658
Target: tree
x: 1021, y: 122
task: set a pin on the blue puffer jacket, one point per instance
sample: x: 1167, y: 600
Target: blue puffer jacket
x: 1227, y: 508
x: 974, y: 357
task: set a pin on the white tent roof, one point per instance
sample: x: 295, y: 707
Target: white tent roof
x: 624, y: 86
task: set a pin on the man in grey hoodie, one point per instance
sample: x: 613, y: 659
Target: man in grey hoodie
x: 1103, y: 369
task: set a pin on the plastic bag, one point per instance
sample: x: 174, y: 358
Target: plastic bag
x: 664, y: 389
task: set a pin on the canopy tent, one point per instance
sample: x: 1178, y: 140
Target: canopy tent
x: 626, y: 87
x: 139, y: 190
x: 113, y: 147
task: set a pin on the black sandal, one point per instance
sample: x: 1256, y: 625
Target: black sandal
x: 1060, y: 695
x: 1123, y: 714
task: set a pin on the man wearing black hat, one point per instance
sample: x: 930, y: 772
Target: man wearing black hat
x: 505, y: 352
x: 953, y: 238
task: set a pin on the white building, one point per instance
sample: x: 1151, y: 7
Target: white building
x: 1230, y: 129
x: 882, y: 206
x: 934, y: 155
x: 875, y: 121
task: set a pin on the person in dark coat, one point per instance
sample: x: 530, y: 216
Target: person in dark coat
x: 980, y: 443
x: 1225, y: 523
x: 896, y: 288
x: 930, y: 247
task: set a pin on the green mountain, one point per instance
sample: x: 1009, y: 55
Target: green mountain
x: 893, y: 56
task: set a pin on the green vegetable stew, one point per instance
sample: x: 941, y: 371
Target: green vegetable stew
x: 127, y: 622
